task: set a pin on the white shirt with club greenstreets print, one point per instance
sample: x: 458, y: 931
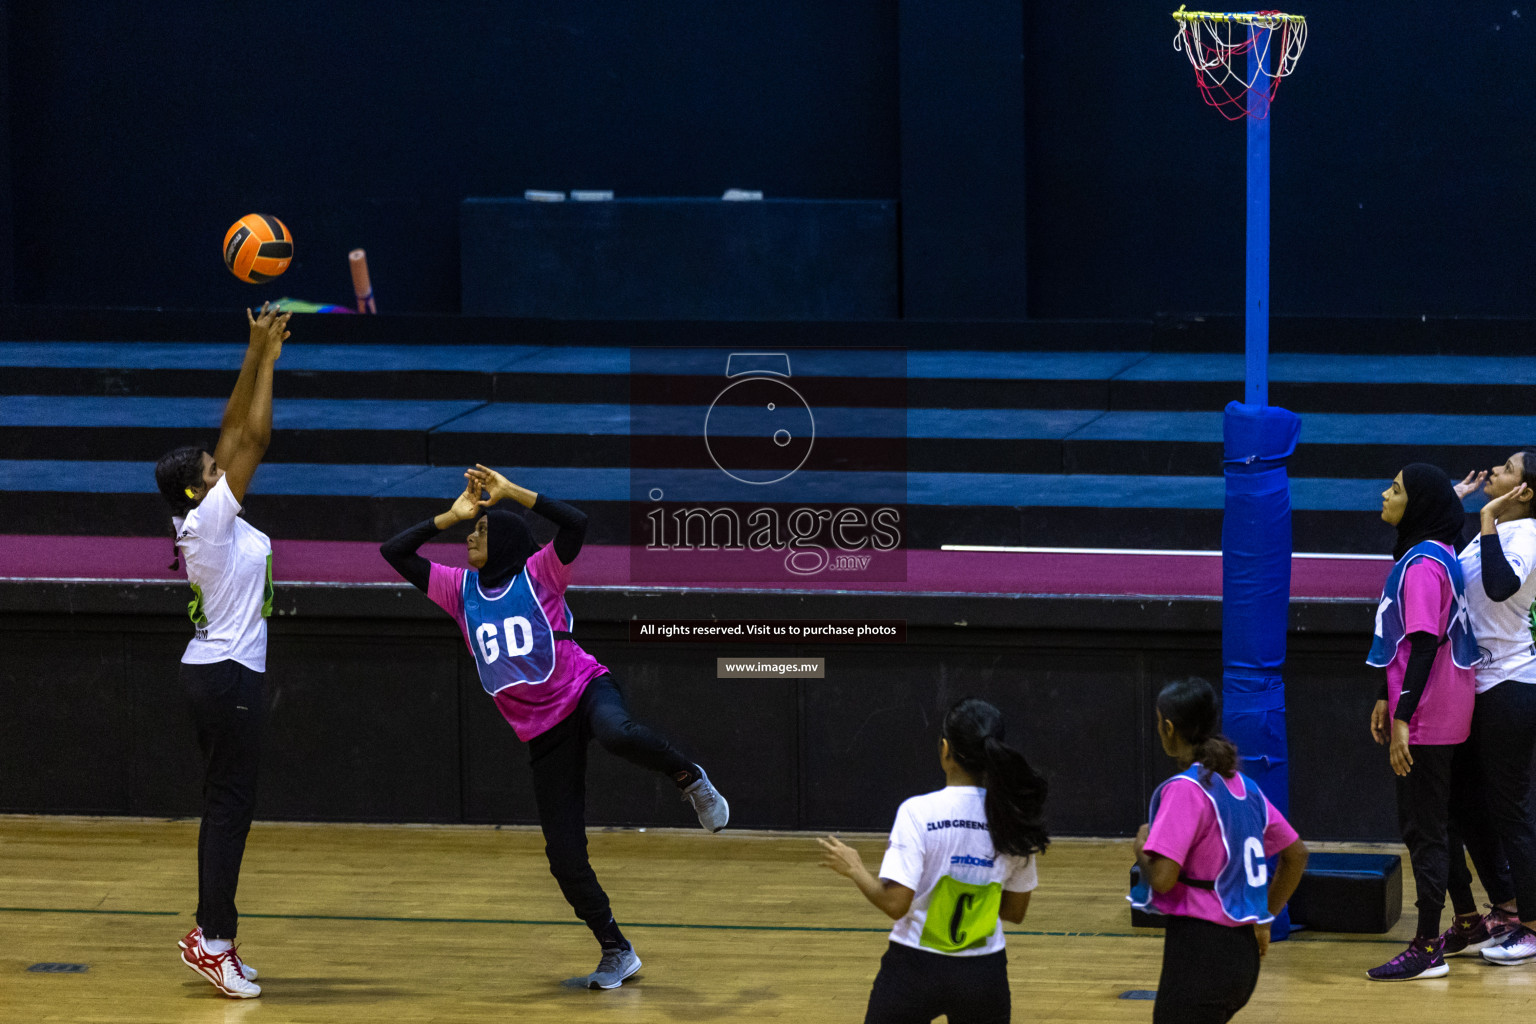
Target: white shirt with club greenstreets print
x: 941, y: 850
x: 1505, y: 630
x: 229, y: 564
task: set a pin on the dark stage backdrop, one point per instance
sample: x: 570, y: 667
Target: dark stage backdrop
x: 142, y: 131
x: 139, y: 132
x: 375, y: 712
x: 1399, y: 156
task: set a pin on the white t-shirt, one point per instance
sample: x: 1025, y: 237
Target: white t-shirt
x: 941, y: 850
x: 1504, y: 629
x: 229, y: 564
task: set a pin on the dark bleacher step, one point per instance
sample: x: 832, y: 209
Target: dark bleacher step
x: 521, y: 373
x: 1457, y: 336
x: 362, y: 431
x: 1369, y: 446
x: 99, y: 443
x: 354, y: 517
x: 177, y: 383
x: 1309, y: 383
x: 511, y: 386
x: 358, y: 502
x: 1363, y: 397
x: 871, y: 392
x: 1359, y: 460
x: 1120, y: 380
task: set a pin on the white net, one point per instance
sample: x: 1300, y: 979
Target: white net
x: 1218, y: 47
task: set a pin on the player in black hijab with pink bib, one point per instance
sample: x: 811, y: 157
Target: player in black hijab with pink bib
x: 511, y: 610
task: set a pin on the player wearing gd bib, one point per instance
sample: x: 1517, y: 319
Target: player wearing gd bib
x: 1202, y: 863
x: 961, y: 860
x: 512, y: 613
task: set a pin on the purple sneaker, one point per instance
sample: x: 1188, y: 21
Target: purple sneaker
x: 1421, y: 959
x: 1470, y: 936
x: 1517, y: 948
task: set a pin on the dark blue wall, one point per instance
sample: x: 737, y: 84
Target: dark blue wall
x: 7, y: 230
x: 1402, y: 149
x: 138, y: 132
x: 146, y: 129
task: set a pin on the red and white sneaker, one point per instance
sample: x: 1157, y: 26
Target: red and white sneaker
x: 223, y: 970
x: 195, y: 936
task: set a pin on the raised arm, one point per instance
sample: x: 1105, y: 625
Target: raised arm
x: 400, y: 550
x: 571, y: 522
x: 1500, y: 581
x: 247, y: 427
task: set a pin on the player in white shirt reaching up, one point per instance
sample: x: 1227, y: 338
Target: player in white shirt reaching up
x: 961, y: 860
x: 229, y: 565
x: 1490, y: 773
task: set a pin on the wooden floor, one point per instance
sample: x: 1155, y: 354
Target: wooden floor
x: 407, y: 924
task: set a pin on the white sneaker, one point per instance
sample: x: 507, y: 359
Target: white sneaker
x: 1518, y: 948
x: 707, y: 802
x: 223, y: 971
x: 195, y: 936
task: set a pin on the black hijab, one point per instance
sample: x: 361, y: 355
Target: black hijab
x: 1433, y: 511
x: 508, y: 545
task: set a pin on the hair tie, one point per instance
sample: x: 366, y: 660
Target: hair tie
x: 190, y: 493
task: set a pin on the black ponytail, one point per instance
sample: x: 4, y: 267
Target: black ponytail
x: 178, y: 471
x: 1015, y: 791
x: 1195, y: 711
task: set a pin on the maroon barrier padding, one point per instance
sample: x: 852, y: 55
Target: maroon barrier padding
x: 961, y: 572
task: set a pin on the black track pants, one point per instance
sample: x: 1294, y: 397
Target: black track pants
x: 559, y: 761
x: 226, y: 702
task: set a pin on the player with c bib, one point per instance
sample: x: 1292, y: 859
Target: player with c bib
x: 961, y: 861
x: 1201, y: 861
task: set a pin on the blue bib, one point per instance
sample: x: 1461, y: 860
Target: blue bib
x: 1389, y: 613
x: 1243, y: 885
x: 510, y: 635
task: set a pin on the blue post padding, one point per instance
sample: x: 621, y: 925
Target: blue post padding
x: 1256, y: 591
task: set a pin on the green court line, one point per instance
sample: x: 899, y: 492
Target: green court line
x: 72, y: 910
x: 651, y: 924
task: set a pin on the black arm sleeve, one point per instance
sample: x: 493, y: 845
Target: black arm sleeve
x: 1499, y: 580
x: 572, y: 523
x: 400, y: 552
x: 1416, y: 677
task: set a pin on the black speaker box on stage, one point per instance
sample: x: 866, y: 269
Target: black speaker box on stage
x: 1349, y: 892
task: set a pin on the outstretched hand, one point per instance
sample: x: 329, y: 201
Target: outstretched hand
x: 1471, y: 482
x: 269, y: 328
x: 498, y: 487
x: 467, y: 505
x: 840, y: 857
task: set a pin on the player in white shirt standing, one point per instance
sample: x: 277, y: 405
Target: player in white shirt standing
x: 961, y: 860
x: 229, y: 565
x: 1490, y: 776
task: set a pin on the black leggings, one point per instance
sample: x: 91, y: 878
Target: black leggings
x: 1209, y: 971
x: 226, y: 702
x: 559, y: 761
x: 914, y: 986
x: 1423, y: 812
x: 1490, y: 790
